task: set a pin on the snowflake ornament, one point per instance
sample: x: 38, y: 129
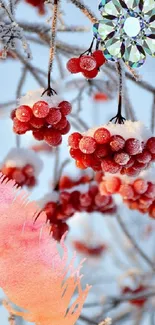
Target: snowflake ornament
x: 127, y: 30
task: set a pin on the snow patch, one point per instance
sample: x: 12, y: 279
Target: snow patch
x: 49, y: 197
x: 34, y: 96
x: 127, y: 130
x: 19, y: 157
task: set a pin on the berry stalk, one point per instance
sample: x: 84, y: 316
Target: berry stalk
x: 49, y: 90
x: 119, y: 118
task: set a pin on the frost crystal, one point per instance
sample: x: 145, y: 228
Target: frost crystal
x: 10, y: 32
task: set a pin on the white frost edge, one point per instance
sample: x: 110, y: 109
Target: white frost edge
x: 34, y: 96
x: 127, y: 130
x: 19, y: 157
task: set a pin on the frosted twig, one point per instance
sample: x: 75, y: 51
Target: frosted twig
x: 87, y: 12
x: 11, y: 320
x: 135, y: 245
x: 52, y: 44
x: 107, y: 321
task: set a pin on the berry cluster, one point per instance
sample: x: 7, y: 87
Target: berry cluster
x: 67, y: 182
x: 139, y: 302
x: 23, y: 176
x: 38, y: 4
x: 46, y: 123
x: 87, y: 64
x: 111, y: 153
x: 23, y: 166
x: 83, y: 248
x: 138, y: 194
x: 68, y: 202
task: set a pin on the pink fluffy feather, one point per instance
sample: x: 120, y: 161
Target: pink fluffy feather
x: 32, y: 272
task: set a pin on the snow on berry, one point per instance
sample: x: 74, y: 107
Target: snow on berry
x: 22, y: 165
x: 113, y: 148
x: 44, y: 115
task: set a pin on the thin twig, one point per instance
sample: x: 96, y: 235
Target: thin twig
x: 135, y: 245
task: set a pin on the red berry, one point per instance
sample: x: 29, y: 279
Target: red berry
x: 37, y: 123
x: 99, y: 57
x: 20, y: 127
x: 112, y: 184
x: 61, y: 124
x: 39, y: 134
x: 40, y: 109
x: 66, y: 129
x: 87, y: 145
x: 150, y: 193
x: 110, y: 166
x: 130, y: 162
x: 74, y: 140
x: 102, y: 151
x: 102, y: 136
x: 126, y: 191
x: 73, y: 65
x: 140, y: 186
x: 121, y: 158
x: 13, y: 114
x: 65, y: 107
x: 87, y: 63
x: 80, y: 165
x: 101, y: 200
x: 151, y: 145
x: 76, y: 154
x: 18, y: 176
x: 145, y: 201
x: 53, y: 137
x: 28, y: 170
x: 117, y: 143
x: 87, y: 160
x: 144, y: 157
x: 133, y: 146
x: 90, y: 74
x: 130, y: 171
x: 54, y: 116
x: 85, y: 200
x: 152, y: 211
x: 24, y: 113
x: 59, y: 229
x: 139, y: 166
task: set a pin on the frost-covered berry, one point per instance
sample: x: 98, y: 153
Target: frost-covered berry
x: 37, y: 123
x: 54, y: 116
x: 140, y: 186
x: 61, y: 124
x: 74, y: 140
x: 87, y: 63
x: 87, y: 145
x: 117, y: 143
x: 40, y: 109
x: 110, y: 166
x: 133, y: 146
x: 102, y: 136
x: 65, y: 107
x: 20, y: 127
x: 126, y: 191
x: 121, y: 158
x: 144, y: 157
x: 23, y: 113
x: 52, y: 137
x: 151, y: 145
